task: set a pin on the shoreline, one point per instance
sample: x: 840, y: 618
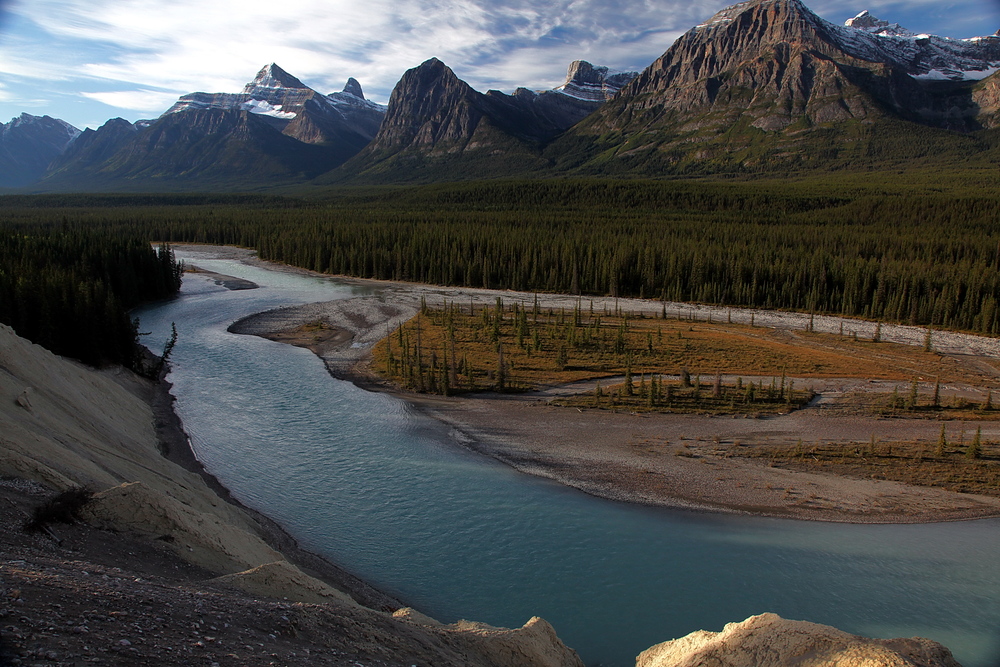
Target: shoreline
x: 640, y: 459
x: 175, y: 446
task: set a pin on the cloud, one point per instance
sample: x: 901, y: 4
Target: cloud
x: 188, y: 45
x: 149, y: 52
x: 146, y: 101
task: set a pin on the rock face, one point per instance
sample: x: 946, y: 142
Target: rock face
x: 28, y: 144
x: 774, y: 67
x: 986, y: 96
x: 92, y: 148
x: 771, y: 640
x: 593, y: 84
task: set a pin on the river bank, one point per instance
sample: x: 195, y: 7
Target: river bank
x: 686, y: 461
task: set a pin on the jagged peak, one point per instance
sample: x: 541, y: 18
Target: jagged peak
x: 869, y: 23
x: 430, y: 70
x: 593, y: 82
x: 352, y: 87
x: 272, y: 76
x: 730, y: 13
x: 581, y: 71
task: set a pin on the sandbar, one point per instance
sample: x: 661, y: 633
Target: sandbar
x: 684, y: 461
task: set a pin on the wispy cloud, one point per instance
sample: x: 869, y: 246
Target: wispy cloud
x: 149, y: 101
x: 188, y: 45
x: 148, y: 52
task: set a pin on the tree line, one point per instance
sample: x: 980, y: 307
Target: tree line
x: 69, y: 288
x: 902, y: 254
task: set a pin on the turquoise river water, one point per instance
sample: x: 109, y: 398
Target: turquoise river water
x: 390, y: 495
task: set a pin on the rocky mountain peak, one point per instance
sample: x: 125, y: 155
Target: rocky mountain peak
x: 865, y: 21
x: 585, y: 81
x: 580, y: 71
x: 786, y: 8
x: 26, y: 120
x: 352, y: 87
x: 425, y: 87
x: 272, y: 76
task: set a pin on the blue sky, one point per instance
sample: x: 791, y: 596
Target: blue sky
x: 86, y: 61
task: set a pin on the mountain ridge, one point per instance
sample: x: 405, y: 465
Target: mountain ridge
x: 438, y: 125
x: 761, y: 85
x: 768, y: 84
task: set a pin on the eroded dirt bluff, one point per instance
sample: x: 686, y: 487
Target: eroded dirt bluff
x: 163, y: 571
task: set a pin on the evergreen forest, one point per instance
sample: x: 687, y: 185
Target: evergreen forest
x: 922, y: 250
x: 68, y: 287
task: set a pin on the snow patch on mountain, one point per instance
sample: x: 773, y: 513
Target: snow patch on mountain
x: 928, y: 57
x: 865, y: 21
x: 265, y: 108
x: 952, y: 75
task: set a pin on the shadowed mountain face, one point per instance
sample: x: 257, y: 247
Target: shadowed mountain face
x: 202, y: 149
x: 28, y: 144
x: 767, y: 77
x: 276, y: 131
x: 437, y: 126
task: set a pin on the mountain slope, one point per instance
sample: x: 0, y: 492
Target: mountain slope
x: 202, y: 149
x: 28, y: 144
x: 768, y: 84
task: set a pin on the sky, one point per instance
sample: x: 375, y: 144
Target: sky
x: 86, y: 61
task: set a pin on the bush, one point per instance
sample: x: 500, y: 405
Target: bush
x: 63, y: 507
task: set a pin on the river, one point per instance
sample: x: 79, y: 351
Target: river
x: 393, y: 497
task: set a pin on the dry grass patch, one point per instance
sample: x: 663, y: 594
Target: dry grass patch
x: 515, y: 348
x: 916, y: 463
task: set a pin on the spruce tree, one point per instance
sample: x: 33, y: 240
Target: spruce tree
x: 975, y: 449
x: 942, y: 444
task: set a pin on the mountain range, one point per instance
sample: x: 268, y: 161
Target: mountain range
x: 763, y: 86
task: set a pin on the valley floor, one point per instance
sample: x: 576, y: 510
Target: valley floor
x: 690, y: 461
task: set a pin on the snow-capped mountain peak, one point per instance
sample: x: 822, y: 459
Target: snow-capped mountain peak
x: 923, y: 56
x: 353, y: 97
x: 54, y: 125
x: 272, y: 77
x: 865, y: 21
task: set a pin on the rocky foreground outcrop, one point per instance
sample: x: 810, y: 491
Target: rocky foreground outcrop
x: 770, y: 640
